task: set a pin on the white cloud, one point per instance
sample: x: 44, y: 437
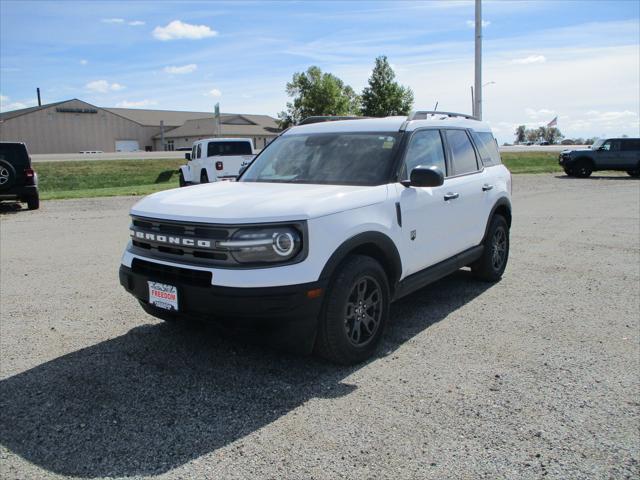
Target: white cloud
x: 112, y: 20
x: 472, y: 23
x: 84, y: 62
x: 214, y: 93
x: 537, y: 114
x: 181, y: 70
x: 530, y: 59
x: 136, y: 104
x: 7, y: 107
x: 102, y: 86
x: 177, y: 30
x: 136, y: 23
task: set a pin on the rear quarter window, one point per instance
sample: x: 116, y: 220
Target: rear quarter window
x: 487, y: 147
x: 631, y: 144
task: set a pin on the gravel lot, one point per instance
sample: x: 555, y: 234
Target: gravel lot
x: 537, y: 376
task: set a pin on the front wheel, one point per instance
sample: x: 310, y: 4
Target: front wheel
x: 181, y: 181
x: 583, y: 169
x: 569, y: 172
x: 355, y: 312
x: 490, y: 266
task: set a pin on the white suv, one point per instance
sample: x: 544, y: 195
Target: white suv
x: 330, y: 223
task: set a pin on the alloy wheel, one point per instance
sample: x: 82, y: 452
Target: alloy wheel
x: 363, y: 312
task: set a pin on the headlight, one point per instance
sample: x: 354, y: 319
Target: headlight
x: 264, y: 245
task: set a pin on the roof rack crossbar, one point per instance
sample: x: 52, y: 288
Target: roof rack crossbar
x: 423, y: 114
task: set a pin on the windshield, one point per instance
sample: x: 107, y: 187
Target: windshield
x: 597, y: 144
x: 327, y: 158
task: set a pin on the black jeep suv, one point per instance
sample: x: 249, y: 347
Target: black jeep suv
x: 607, y: 154
x: 18, y: 181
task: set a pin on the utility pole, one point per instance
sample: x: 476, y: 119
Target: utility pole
x: 39, y: 100
x: 477, y: 111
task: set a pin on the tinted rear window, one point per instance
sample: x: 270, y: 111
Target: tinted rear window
x: 630, y: 144
x: 228, y: 148
x: 15, y: 154
x: 487, y: 147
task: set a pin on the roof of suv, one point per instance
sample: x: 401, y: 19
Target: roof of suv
x: 388, y: 124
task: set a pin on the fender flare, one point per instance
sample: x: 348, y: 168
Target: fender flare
x: 186, y: 173
x: 372, y: 243
x: 502, y: 204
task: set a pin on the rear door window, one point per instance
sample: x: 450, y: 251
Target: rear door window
x: 199, y: 150
x: 463, y: 156
x: 487, y: 147
x: 215, y: 149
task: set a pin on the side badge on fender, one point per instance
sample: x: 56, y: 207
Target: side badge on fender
x: 413, y: 234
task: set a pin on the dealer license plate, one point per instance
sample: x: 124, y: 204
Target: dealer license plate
x: 163, y: 296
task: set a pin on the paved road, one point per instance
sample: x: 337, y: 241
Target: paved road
x: 536, y: 376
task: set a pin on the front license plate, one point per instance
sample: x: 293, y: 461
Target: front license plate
x: 163, y: 296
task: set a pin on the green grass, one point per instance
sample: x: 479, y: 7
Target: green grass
x: 104, y: 178
x: 531, y: 162
x: 107, y: 178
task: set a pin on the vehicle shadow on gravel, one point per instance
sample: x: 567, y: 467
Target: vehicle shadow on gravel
x: 7, y: 208
x: 163, y: 395
x: 599, y: 177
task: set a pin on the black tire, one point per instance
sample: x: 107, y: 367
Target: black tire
x: 181, y: 181
x: 7, y: 175
x: 33, y: 203
x: 634, y: 173
x: 583, y: 169
x: 350, y: 331
x: 204, y: 178
x: 491, y: 265
x: 569, y: 172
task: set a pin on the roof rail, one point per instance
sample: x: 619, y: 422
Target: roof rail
x: 327, y: 118
x: 424, y: 114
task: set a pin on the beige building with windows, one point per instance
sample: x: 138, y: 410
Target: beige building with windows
x: 74, y: 126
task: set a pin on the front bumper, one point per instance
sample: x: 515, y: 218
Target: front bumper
x: 287, y: 308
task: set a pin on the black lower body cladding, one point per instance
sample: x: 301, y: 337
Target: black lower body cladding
x: 287, y: 315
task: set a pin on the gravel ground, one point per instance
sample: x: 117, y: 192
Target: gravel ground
x: 536, y: 376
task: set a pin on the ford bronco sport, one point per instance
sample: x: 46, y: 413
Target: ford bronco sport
x: 330, y: 223
x: 605, y: 154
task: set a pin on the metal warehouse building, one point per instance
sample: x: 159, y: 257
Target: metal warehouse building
x: 75, y: 126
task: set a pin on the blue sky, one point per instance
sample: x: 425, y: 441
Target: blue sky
x: 577, y: 60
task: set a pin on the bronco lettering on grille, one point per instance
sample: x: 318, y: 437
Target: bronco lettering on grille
x: 171, y: 239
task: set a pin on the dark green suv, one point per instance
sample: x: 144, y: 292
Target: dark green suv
x: 18, y: 181
x: 607, y: 154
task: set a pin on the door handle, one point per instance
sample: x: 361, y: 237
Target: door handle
x: 486, y: 187
x: 451, y: 196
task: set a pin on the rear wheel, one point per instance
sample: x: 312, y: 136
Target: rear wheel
x: 33, y: 203
x: 490, y: 266
x: 583, y: 169
x: 355, y: 312
x: 204, y: 178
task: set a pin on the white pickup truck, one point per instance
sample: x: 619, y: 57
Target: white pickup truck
x: 213, y: 159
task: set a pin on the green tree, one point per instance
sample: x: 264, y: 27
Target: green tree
x: 520, y: 134
x: 384, y: 96
x: 317, y: 93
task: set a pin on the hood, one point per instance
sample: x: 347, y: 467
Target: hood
x: 252, y: 202
x: 578, y: 150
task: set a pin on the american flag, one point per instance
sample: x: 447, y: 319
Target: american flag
x: 553, y: 122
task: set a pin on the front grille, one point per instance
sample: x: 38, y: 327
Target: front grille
x: 161, y: 239
x: 171, y: 275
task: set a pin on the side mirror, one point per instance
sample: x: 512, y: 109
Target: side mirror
x: 187, y: 156
x: 242, y: 170
x: 422, y: 176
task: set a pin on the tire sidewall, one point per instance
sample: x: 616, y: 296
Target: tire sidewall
x: 498, y: 222
x: 353, y: 269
